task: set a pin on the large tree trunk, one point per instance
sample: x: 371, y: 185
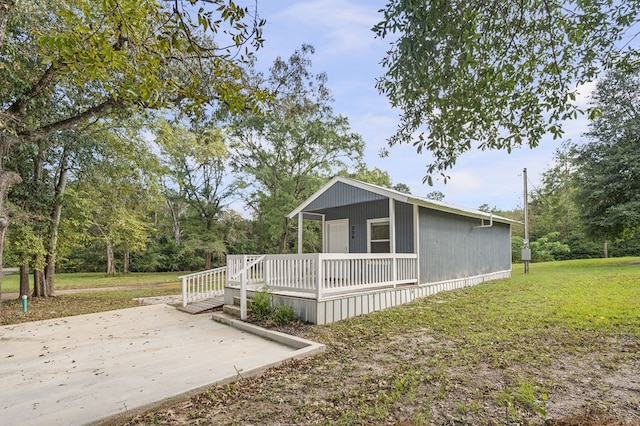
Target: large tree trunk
x: 125, y: 268
x: 7, y: 180
x: 39, y: 284
x: 175, y: 219
x: 208, y: 256
x: 111, y: 264
x: 284, y: 237
x: 24, y: 280
x: 56, y: 214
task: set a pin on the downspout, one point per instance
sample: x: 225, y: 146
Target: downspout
x: 486, y: 226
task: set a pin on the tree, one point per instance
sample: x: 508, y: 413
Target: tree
x: 285, y: 156
x: 373, y: 176
x: 88, y: 59
x: 552, y: 206
x: 401, y: 187
x: 196, y: 164
x: 496, y: 74
x: 117, y: 188
x: 608, y: 174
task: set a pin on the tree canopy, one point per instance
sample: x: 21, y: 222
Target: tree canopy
x: 609, y: 165
x: 496, y: 74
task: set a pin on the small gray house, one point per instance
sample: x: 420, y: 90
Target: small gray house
x: 381, y: 248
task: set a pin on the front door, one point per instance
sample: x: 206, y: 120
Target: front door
x: 337, y: 234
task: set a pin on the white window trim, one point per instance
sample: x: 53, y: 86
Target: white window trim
x: 377, y: 220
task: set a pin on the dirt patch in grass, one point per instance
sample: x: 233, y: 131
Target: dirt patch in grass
x: 419, y: 378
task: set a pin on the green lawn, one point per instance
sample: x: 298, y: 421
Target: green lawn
x: 563, y: 340
x: 560, y: 341
x: 11, y: 283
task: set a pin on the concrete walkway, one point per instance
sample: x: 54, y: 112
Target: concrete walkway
x: 84, y: 369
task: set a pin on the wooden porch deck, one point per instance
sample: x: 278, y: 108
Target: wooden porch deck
x: 202, y: 306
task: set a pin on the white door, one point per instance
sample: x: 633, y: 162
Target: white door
x: 337, y: 232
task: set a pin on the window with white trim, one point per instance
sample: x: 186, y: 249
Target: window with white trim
x: 378, y: 235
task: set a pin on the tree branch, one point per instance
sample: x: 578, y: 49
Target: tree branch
x: 18, y: 107
x: 44, y: 131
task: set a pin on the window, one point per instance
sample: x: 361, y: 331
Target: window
x: 378, y: 236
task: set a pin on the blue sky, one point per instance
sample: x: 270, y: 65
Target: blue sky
x: 340, y: 31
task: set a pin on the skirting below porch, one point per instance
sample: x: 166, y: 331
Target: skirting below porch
x: 340, y: 307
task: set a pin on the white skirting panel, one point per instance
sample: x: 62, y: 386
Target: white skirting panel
x: 347, y: 306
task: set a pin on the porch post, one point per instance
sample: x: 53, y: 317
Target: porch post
x: 324, y: 245
x: 392, y: 225
x: 243, y: 290
x: 300, y: 218
x: 392, y: 240
x: 416, y: 239
x: 319, y: 275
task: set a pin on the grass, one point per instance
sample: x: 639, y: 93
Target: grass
x: 79, y: 304
x: 524, y: 350
x: 123, y: 290
x: 515, y: 351
x: 11, y: 283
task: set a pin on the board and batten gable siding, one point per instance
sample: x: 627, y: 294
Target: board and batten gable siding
x: 341, y: 194
x: 405, y: 234
x: 451, y: 246
x: 358, y: 214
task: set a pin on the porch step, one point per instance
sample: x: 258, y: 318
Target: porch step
x: 203, y: 305
x: 234, y: 310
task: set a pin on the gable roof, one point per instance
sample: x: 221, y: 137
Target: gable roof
x: 379, y: 192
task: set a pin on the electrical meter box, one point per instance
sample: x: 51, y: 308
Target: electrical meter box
x: 526, y: 255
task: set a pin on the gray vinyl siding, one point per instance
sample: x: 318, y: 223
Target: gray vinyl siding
x: 341, y: 194
x: 404, y: 227
x: 452, y: 247
x: 358, y: 214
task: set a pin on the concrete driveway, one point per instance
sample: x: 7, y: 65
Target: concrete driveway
x: 84, y: 369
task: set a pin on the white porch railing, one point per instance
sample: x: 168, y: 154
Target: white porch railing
x: 203, y: 285
x: 326, y: 274
x: 249, y: 271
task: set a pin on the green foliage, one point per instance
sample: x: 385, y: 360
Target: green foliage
x: 283, y: 314
x: 435, y: 195
x: 374, y: 176
x: 500, y: 73
x: 553, y: 207
x: 261, y: 303
x: 608, y: 172
x: 625, y: 247
x: 284, y: 157
x: 67, y: 67
x: 548, y: 248
x: 517, y: 244
x: 581, y: 247
x: 263, y: 309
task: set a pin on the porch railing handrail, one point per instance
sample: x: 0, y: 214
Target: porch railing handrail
x: 328, y: 274
x: 203, y: 285
x: 242, y: 273
x: 248, y: 266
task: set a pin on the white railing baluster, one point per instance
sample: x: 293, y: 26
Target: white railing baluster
x: 325, y: 274
x: 203, y: 285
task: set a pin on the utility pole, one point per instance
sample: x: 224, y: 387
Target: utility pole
x: 526, y: 251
